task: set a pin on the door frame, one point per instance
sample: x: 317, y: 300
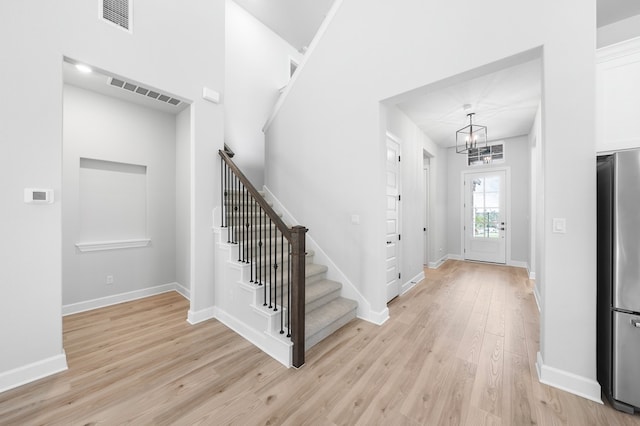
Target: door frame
x: 426, y: 235
x: 507, y: 191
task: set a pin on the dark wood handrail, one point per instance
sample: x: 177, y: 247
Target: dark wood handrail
x: 282, y: 227
x: 296, y: 239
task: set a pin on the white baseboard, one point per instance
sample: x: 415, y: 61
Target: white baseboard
x: 532, y: 275
x: 569, y: 382
x: 438, y: 263
x: 195, y: 317
x: 518, y: 264
x: 454, y: 257
x: 377, y: 318
x: 278, y: 349
x: 102, y: 302
x: 31, y: 372
x: 411, y: 283
x: 537, y: 297
x: 185, y: 292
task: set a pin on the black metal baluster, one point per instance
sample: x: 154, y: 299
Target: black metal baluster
x: 269, y: 265
x: 221, y: 192
x: 282, y: 283
x: 240, y: 219
x: 260, y: 229
x: 251, y: 240
x: 229, y: 207
x: 275, y: 274
x: 266, y: 262
x: 248, y: 226
x: 243, y: 224
x: 289, y: 292
x: 234, y: 207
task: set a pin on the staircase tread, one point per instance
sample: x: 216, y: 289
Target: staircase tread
x: 314, y: 269
x: 323, y: 316
x: 318, y: 289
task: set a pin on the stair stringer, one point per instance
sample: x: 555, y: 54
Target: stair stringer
x: 237, y: 306
x: 349, y: 290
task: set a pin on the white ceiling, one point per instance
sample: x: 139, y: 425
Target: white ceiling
x: 505, y: 101
x: 610, y: 11
x: 296, y: 21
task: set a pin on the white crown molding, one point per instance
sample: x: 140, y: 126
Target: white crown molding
x: 618, y: 50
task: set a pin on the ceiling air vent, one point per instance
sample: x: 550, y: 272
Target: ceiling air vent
x: 143, y: 91
x: 117, y: 12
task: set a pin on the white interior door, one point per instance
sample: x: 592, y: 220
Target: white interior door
x: 392, y: 211
x: 426, y: 217
x: 484, y: 216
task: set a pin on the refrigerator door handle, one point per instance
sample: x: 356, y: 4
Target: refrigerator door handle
x: 635, y: 323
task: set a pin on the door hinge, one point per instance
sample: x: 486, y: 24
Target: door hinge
x: 398, y: 197
x: 399, y: 237
x: 399, y: 275
x: 398, y: 158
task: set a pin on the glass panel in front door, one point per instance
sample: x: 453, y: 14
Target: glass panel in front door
x: 485, y: 197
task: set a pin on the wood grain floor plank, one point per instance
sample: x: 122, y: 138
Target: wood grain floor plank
x: 460, y: 348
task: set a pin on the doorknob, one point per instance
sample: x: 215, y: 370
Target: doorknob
x: 389, y: 242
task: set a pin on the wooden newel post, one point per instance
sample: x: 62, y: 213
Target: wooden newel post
x: 298, y: 253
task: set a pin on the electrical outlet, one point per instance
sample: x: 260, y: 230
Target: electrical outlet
x: 109, y: 279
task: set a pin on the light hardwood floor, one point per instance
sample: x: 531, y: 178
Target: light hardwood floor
x: 458, y: 349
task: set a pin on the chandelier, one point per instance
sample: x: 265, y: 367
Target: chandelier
x: 471, y: 137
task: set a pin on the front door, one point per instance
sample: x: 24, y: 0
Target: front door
x: 393, y: 232
x: 484, y: 216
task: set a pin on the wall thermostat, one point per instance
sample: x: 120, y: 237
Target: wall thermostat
x: 38, y: 196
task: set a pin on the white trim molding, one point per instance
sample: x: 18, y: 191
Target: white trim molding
x: 618, y: 50
x: 411, y: 283
x: 113, y: 245
x: 32, y: 372
x: 195, y: 317
x: 88, y: 305
x: 438, y: 263
x: 279, y: 349
x: 537, y: 297
x: 377, y: 318
x: 569, y: 382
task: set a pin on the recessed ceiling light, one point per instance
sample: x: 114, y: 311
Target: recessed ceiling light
x: 83, y: 68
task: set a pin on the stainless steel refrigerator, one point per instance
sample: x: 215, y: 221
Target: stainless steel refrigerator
x: 618, y: 337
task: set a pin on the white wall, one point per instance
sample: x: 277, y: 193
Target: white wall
x: 175, y: 48
x: 183, y: 199
x: 99, y: 127
x: 257, y: 67
x: 413, y: 144
x: 516, y: 154
x: 329, y: 135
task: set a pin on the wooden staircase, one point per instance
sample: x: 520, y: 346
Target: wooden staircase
x: 254, y: 275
